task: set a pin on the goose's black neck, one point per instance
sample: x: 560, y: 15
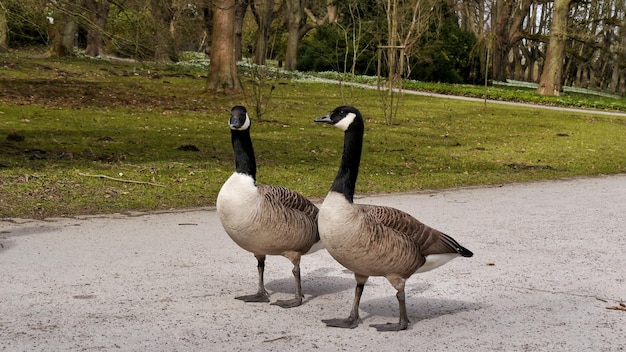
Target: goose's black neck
x: 245, y: 162
x: 345, y: 181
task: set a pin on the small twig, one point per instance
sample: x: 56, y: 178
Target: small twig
x: 276, y: 339
x: 621, y: 307
x: 120, y: 179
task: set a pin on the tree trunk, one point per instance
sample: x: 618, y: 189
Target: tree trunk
x: 223, y: 76
x: 207, y: 19
x: 617, y: 71
x: 295, y: 20
x: 98, y: 14
x: 297, y: 26
x: 163, y: 13
x: 240, y: 14
x: 264, y: 23
x: 501, y: 46
x: 552, y: 72
x: 64, y: 33
x: 508, y: 21
x: 4, y: 30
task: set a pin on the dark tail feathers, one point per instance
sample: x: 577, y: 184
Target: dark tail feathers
x: 457, y: 247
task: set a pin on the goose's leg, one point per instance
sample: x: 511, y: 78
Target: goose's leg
x: 353, y: 320
x: 398, y: 284
x: 261, y: 295
x: 290, y: 303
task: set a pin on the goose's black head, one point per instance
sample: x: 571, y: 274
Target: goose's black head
x: 239, y: 119
x: 343, y: 117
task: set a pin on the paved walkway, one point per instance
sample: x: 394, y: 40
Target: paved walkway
x: 548, y: 274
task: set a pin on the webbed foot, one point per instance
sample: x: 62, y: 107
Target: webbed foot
x: 391, y: 326
x: 260, y: 297
x: 288, y: 303
x: 348, y: 323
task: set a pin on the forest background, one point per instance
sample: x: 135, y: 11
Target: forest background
x: 550, y: 43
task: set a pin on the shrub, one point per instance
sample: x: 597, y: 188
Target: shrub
x: 28, y: 25
x: 132, y: 34
x: 446, y: 54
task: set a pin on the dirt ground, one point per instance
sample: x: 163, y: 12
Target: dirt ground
x: 548, y: 274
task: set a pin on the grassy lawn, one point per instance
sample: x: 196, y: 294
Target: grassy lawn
x: 163, y: 142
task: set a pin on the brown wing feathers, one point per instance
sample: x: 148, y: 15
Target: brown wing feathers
x: 289, y: 199
x: 429, y: 240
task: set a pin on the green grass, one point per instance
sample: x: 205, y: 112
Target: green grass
x: 81, y: 118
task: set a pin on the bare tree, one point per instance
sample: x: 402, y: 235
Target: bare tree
x: 596, y: 52
x: 618, y: 75
x: 594, y: 48
x: 355, y: 28
x: 163, y: 12
x: 263, y: 19
x: 223, y: 75
x: 206, y: 8
x: 98, y: 12
x: 240, y: 13
x: 508, y: 18
x: 64, y: 28
x: 552, y: 74
x: 407, y: 21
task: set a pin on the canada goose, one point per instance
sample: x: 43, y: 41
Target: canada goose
x: 374, y: 240
x: 264, y: 219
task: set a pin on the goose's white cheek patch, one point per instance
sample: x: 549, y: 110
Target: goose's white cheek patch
x: 344, y: 123
x: 246, y: 124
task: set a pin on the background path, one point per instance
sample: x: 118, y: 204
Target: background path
x: 488, y: 101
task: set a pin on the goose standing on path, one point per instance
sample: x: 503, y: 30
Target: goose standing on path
x: 374, y: 240
x: 264, y: 219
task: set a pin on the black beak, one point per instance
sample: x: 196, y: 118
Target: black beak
x: 325, y: 118
x: 236, y: 121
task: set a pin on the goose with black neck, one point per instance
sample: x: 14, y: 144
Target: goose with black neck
x: 264, y: 219
x: 374, y: 240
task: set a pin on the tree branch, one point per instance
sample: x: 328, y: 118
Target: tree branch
x: 120, y: 179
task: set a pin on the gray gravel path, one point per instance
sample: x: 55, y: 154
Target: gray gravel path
x: 549, y: 260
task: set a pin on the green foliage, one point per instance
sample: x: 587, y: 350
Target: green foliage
x: 332, y: 47
x: 445, y: 54
x: 132, y: 34
x: 28, y: 25
x: 323, y: 50
x: 278, y: 45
